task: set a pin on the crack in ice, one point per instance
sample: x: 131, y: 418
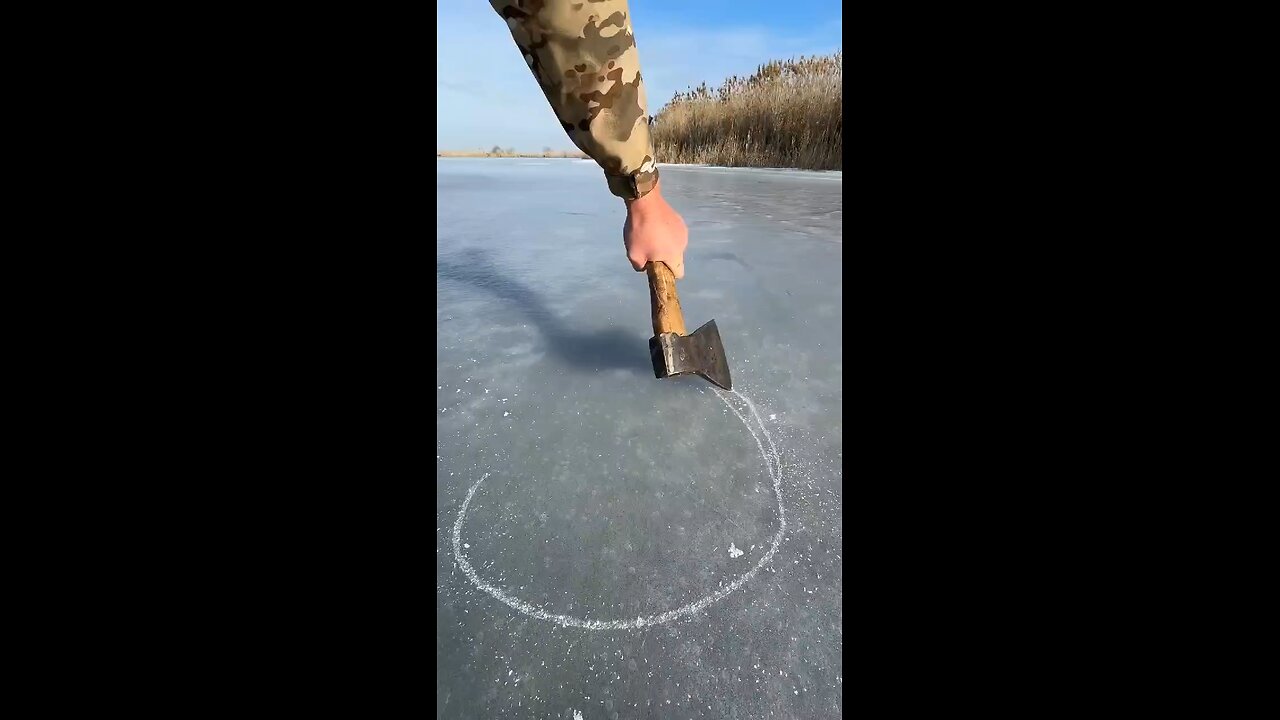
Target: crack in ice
x: 773, y: 465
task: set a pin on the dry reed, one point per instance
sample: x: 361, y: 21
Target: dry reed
x: 787, y: 114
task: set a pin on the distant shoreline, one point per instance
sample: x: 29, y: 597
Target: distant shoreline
x: 796, y: 172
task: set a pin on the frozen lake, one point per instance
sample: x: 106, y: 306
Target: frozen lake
x: 623, y: 553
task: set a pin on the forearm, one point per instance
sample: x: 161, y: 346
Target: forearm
x: 583, y: 55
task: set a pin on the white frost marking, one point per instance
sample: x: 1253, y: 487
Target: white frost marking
x: 734, y: 551
x: 773, y: 416
x: 773, y: 465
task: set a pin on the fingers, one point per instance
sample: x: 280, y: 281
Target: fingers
x: 655, y: 242
x: 677, y: 267
x: 638, y: 261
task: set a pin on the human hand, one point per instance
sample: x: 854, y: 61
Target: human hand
x: 655, y: 232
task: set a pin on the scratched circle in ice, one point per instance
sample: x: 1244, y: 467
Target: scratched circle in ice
x: 772, y: 465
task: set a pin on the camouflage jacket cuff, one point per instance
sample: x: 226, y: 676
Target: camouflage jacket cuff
x: 635, y: 185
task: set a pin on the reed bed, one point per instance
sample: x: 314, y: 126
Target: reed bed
x: 787, y: 114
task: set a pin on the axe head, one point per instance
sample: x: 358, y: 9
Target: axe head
x: 698, y: 353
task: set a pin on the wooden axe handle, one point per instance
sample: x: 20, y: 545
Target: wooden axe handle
x: 663, y: 300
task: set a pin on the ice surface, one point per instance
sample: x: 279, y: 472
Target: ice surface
x: 612, y: 496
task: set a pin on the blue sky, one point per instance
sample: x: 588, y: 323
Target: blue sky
x: 486, y: 96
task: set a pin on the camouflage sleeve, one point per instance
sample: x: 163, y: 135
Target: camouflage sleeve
x: 583, y: 54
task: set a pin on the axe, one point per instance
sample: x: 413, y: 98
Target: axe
x: 672, y: 351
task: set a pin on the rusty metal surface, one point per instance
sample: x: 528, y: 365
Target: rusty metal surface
x: 699, y: 353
